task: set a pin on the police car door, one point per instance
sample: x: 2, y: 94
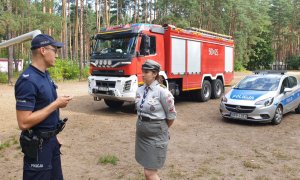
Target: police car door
x: 295, y: 92
x: 287, y: 96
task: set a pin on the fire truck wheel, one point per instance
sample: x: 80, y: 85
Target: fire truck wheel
x: 113, y: 104
x: 205, y: 93
x: 217, y: 89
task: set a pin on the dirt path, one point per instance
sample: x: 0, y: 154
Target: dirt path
x: 202, y: 145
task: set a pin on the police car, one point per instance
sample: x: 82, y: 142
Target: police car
x: 264, y: 96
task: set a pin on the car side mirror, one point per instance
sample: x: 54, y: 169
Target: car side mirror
x: 287, y: 90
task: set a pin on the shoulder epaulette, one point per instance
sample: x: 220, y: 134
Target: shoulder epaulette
x: 161, y: 85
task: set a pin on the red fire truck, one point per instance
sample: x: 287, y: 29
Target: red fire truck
x: 194, y: 61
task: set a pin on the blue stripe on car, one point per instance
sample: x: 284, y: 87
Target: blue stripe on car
x: 290, y: 98
x: 246, y: 94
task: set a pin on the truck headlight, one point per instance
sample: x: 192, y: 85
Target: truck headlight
x: 104, y: 62
x: 266, y: 102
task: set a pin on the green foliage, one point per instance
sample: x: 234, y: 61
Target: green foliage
x: 108, y: 159
x: 262, y: 55
x: 293, y: 62
x: 3, y: 77
x: 66, y: 70
x: 238, y: 66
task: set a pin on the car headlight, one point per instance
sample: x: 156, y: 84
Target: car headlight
x: 224, y: 99
x: 266, y: 102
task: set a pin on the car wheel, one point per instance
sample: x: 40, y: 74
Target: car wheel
x: 113, y: 104
x: 278, y: 116
x: 205, y: 92
x: 217, y: 89
x: 298, y: 109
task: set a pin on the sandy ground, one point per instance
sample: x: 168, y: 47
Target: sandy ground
x: 202, y: 146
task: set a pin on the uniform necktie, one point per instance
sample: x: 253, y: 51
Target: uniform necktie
x: 144, y: 96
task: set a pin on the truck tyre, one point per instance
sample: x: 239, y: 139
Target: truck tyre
x: 278, y: 116
x: 297, y: 110
x: 217, y: 89
x: 113, y: 104
x: 204, y: 94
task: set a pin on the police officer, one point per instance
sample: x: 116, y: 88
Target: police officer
x: 37, y: 108
x: 156, y: 113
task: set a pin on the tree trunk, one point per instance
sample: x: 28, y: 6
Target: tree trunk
x: 117, y: 12
x: 10, y: 49
x: 70, y: 33
x: 97, y: 15
x: 106, y: 7
x: 135, y: 14
x: 81, y: 38
x: 138, y: 11
x: 76, y: 32
x: 44, y: 6
x: 150, y: 11
x: 146, y: 11
x: 64, y: 30
x: 50, y: 30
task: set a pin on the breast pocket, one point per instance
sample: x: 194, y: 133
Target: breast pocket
x: 154, y: 104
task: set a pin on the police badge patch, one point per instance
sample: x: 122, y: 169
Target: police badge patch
x: 152, y: 108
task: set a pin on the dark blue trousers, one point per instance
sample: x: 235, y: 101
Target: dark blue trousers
x: 48, y: 163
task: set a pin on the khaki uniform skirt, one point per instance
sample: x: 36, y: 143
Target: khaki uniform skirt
x: 151, y: 143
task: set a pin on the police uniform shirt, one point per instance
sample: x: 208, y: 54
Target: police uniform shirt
x: 158, y: 104
x: 34, y: 90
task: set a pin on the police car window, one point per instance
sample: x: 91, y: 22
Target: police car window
x: 285, y: 84
x: 293, y: 81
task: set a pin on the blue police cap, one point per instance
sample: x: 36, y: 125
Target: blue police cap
x: 42, y: 40
x: 151, y: 65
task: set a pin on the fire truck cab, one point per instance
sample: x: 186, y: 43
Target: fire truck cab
x: 193, y: 61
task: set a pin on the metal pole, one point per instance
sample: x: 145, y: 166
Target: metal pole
x: 19, y: 39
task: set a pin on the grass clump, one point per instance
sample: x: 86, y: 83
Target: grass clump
x: 108, y: 159
x: 251, y: 165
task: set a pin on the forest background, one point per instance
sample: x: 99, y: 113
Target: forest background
x: 266, y: 32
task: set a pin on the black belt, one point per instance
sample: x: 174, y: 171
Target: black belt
x: 143, y: 118
x: 47, y: 134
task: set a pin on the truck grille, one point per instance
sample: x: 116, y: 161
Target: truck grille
x: 127, y: 85
x: 109, y: 84
x: 239, y: 109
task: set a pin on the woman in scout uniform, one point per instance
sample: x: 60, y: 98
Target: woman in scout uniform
x: 156, y: 113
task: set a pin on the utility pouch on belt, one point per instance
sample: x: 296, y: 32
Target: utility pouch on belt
x: 29, y: 144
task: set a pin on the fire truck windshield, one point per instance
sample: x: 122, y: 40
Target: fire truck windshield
x: 115, y: 47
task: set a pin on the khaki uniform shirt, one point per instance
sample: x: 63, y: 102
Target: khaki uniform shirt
x: 158, y: 104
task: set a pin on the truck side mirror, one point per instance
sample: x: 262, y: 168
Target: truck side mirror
x: 145, y: 45
x: 92, y: 39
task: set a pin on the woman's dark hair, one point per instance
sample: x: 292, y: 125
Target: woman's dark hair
x: 158, y: 77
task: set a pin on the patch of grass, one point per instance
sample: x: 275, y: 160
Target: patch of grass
x: 108, y: 159
x: 205, y: 171
x: 138, y: 176
x: 175, y: 173
x: 259, y: 154
x: 251, y: 165
x: 281, y: 156
x: 4, y: 145
x: 263, y: 177
x: 292, y: 172
x: 8, y: 143
x: 221, y: 158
